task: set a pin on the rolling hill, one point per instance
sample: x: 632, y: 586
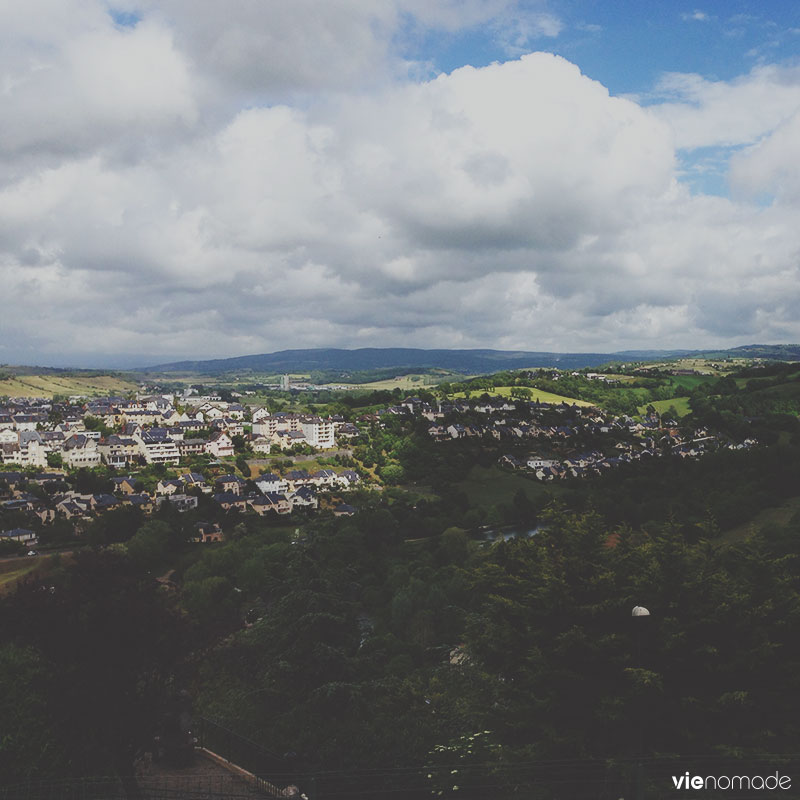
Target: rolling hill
x: 464, y: 361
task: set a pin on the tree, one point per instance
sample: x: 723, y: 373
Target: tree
x: 96, y: 424
x: 27, y: 737
x: 150, y: 544
x: 243, y: 466
x: 10, y: 547
x: 118, y: 525
x: 86, y: 663
x: 391, y: 473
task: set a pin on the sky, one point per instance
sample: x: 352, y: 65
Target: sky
x: 202, y: 179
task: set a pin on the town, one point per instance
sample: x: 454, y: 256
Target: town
x: 68, y: 462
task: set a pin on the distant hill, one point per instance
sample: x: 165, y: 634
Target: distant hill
x: 779, y: 352
x: 466, y: 361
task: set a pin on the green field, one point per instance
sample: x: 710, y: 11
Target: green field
x: 310, y: 465
x: 779, y: 515
x: 681, y: 405
x: 15, y: 570
x: 536, y: 394
x: 488, y: 486
x: 756, y: 380
x: 700, y: 364
x: 400, y: 382
x: 49, y: 385
x: 691, y: 382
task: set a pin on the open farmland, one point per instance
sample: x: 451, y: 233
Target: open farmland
x: 680, y: 404
x: 402, y: 382
x: 50, y: 385
x: 691, y: 382
x: 536, y: 395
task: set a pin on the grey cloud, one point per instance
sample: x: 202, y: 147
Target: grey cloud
x: 724, y: 314
x: 518, y: 205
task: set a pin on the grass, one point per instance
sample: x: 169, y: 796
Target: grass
x: 789, y: 392
x: 681, y: 405
x: 536, y: 394
x: 487, y: 486
x: 635, y: 393
x: 414, y: 492
x: 13, y: 571
x: 407, y: 382
x: 777, y: 515
x: 400, y: 382
x: 312, y: 465
x: 49, y: 385
x: 691, y: 382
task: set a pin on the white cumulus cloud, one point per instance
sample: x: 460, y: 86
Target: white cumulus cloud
x: 211, y: 179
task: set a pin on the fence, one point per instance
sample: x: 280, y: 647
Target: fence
x: 651, y: 778
x: 202, y: 787
x: 148, y: 787
x: 66, y: 789
x: 269, y: 769
x: 648, y: 778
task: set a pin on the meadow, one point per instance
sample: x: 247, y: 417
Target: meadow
x: 68, y: 385
x: 536, y: 394
x: 487, y: 486
x: 680, y: 404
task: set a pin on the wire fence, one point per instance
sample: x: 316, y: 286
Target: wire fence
x: 203, y: 787
x: 144, y: 787
x: 102, y: 788
x: 239, y: 749
x: 649, y: 778
x: 269, y: 770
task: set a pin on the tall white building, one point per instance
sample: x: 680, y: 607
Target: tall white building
x: 319, y: 432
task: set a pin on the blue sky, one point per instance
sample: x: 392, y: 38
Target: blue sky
x: 186, y: 178
x: 627, y: 45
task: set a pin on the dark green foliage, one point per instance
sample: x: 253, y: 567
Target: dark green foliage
x: 87, y: 661
x: 26, y: 735
x: 10, y: 547
x: 116, y: 525
x: 352, y: 643
x: 92, y: 481
x: 96, y: 424
x: 731, y: 486
x: 243, y: 466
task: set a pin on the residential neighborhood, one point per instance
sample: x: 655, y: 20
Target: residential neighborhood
x: 44, y: 445
x: 185, y: 450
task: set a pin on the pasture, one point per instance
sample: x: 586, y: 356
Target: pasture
x: 54, y: 384
x: 681, y: 405
x: 536, y: 394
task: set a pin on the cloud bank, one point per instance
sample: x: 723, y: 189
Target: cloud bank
x: 203, y: 179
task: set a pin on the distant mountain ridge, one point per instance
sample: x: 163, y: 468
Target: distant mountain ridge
x: 378, y: 357
x: 467, y: 361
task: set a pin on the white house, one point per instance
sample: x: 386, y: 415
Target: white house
x: 220, y: 445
